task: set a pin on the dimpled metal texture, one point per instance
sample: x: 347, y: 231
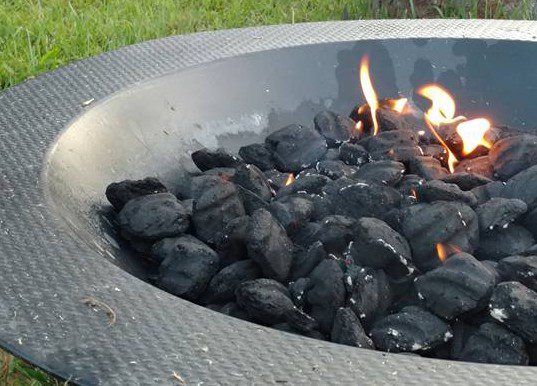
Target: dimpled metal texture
x: 47, y: 272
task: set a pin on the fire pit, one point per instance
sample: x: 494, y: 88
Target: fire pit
x: 77, y: 299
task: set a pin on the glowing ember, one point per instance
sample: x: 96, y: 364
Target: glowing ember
x: 472, y: 133
x: 359, y: 126
x: 369, y: 92
x: 290, y: 179
x: 444, y: 251
x: 413, y: 194
x: 398, y: 104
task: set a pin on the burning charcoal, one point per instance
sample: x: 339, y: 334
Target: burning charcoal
x: 412, y: 329
x: 257, y: 154
x: 306, y: 259
x: 226, y: 174
x: 231, y: 245
x: 360, y: 199
x: 409, y: 183
x: 390, y: 120
x: 400, y: 153
x: 326, y: 293
x: 386, y: 172
x: 512, y: 155
x: 370, y: 293
x: 481, y: 166
x: 119, y: 193
x: 251, y: 178
x: 331, y: 155
x: 515, y: 306
x: 214, y: 208
x: 312, y: 184
x: 265, y: 300
x: 276, y: 179
x: 154, y: 216
x: 335, y: 169
x: 490, y: 190
x: 296, y: 147
x: 334, y: 128
x: 291, y: 211
x: 502, y: 242
x: 397, y: 145
x: 523, y: 186
x: 336, y: 232
x: 187, y: 268
x: 251, y: 201
x: 437, y: 190
x: 519, y: 268
x: 206, y: 159
x: 353, y: 154
x: 268, y: 245
x: 436, y: 151
x: 297, y: 290
x: 466, y: 181
x: 223, y: 284
x: 499, y: 213
x: 378, y: 246
x: 494, y: 344
x: 427, y: 167
x: 460, y: 285
x: 348, y: 330
x: 447, y: 223
x: 306, y: 234
x: 300, y: 321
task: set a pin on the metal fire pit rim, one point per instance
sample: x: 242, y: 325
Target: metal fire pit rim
x: 48, y: 272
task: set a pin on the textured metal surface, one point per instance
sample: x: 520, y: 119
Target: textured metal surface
x: 46, y: 272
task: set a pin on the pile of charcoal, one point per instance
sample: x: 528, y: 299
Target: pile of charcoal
x: 365, y: 240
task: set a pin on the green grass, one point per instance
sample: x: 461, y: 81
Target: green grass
x: 40, y: 35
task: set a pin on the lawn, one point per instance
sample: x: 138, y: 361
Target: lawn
x: 40, y: 35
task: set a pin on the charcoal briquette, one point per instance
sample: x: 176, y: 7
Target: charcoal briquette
x: 485, y: 192
x: 206, y: 159
x: 347, y: 330
x: 226, y: 174
x: 437, y: 190
x: 335, y: 233
x: 385, y: 172
x: 408, y: 184
x: 522, y: 186
x: 300, y: 321
x: 331, y: 154
x: 335, y: 169
x: 222, y: 286
x: 298, y: 290
x: 296, y: 147
x: 466, y: 181
x: 353, y: 154
x: 305, y: 259
x: 427, y: 167
x: 311, y: 183
x: 481, y: 166
x: 234, y: 310
x: 519, y: 268
x: 154, y: 216
x: 503, y: 242
x: 251, y: 201
x: 460, y: 285
x: 393, y: 144
x: 187, y: 268
x: 268, y: 245
x: 291, y: 211
x: 512, y: 155
x: 306, y: 234
x: 119, y: 193
x: 412, y: 329
x: 258, y: 154
x: 231, y: 245
x: 253, y: 179
x: 334, y: 128
x: 265, y: 300
x: 276, y: 179
x: 499, y: 213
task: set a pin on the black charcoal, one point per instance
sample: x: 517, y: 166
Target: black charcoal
x: 201, y: 183
x: 512, y: 155
x: 233, y: 309
x: 485, y: 192
x: 296, y: 147
x: 306, y: 234
x: 300, y: 321
x: 503, y: 242
x: 466, y: 181
x: 386, y: 144
x: 206, y: 159
x: 386, y: 172
x: 253, y: 179
x: 258, y: 154
x: 481, y: 166
x: 310, y: 183
x: 224, y: 173
x: 530, y: 222
x: 336, y: 232
x: 353, y: 154
x: 335, y: 169
x: 298, y: 290
x: 334, y: 127
x: 154, y: 216
x: 348, y: 330
x: 187, y: 268
x: 268, y: 245
x: 251, y: 201
x: 437, y: 190
x: 331, y: 155
x: 523, y: 186
x: 499, y: 213
x: 222, y: 286
x: 519, y: 268
x: 427, y: 167
x: 305, y: 259
x: 291, y: 211
x: 119, y: 193
x: 409, y: 183
x: 231, y: 244
x: 276, y: 179
x: 462, y: 284
x: 412, y: 329
x: 265, y: 300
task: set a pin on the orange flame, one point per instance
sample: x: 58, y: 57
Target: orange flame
x: 444, y: 251
x: 398, y: 104
x: 442, y: 111
x: 359, y: 126
x: 473, y: 133
x: 290, y: 179
x: 369, y: 92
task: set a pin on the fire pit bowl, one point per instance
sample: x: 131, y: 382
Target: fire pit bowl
x: 77, y: 303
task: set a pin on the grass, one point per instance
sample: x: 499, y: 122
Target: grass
x: 40, y: 35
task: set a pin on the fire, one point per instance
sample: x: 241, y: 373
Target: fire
x: 359, y: 126
x: 398, y: 104
x: 369, y: 92
x: 444, y: 251
x: 413, y: 194
x: 473, y: 133
x: 290, y: 179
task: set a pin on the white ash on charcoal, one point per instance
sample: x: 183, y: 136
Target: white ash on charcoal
x: 187, y: 268
x: 441, y: 222
x: 499, y: 213
x: 368, y: 293
x: 268, y: 245
x: 214, y: 208
x: 222, y: 286
x: 265, y: 300
x: 512, y: 155
x: 311, y: 183
x: 119, y: 193
x: 515, y: 306
x: 427, y: 167
x: 258, y: 154
x: 466, y: 181
x: 335, y: 169
x: 503, y: 242
x: 481, y: 166
x: 460, y: 285
x: 378, y: 246
x: 154, y: 216
x: 385, y: 172
x: 334, y: 128
x: 347, y: 330
x: 305, y: 259
x: 412, y: 330
x: 296, y: 147
x: 437, y: 190
x: 492, y: 343
x: 298, y: 290
x: 291, y: 211
x: 519, y: 268
x: 206, y: 159
x: 353, y: 154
